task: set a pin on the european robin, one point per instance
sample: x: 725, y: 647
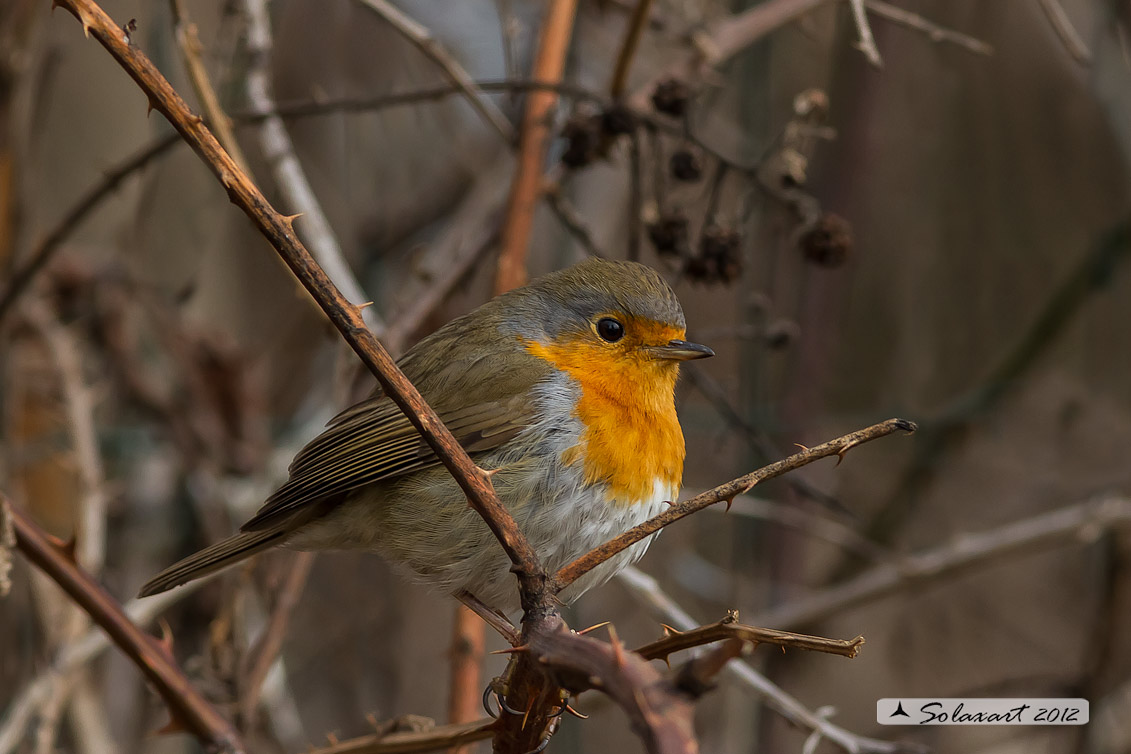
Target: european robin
x: 564, y: 387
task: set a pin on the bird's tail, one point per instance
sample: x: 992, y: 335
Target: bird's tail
x: 211, y: 559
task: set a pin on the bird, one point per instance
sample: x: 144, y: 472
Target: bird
x: 563, y: 389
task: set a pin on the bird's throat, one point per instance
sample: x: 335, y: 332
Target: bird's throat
x: 631, y: 441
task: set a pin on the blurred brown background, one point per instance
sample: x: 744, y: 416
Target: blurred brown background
x: 944, y: 242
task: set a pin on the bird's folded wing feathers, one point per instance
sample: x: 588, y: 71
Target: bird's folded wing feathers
x: 374, y: 441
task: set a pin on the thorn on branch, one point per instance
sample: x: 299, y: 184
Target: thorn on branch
x: 618, y: 648
x: 511, y: 650
x: 165, y: 641
x: 575, y: 713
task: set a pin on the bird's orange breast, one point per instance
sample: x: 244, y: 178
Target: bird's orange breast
x: 631, y: 439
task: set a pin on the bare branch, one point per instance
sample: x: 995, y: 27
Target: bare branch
x: 187, y: 706
x: 494, y: 619
x: 659, y: 710
x: 867, y: 43
x: 838, y: 447
x: 189, y: 43
x: 730, y: 628
x: 935, y: 32
x: 78, y: 653
x: 648, y: 590
x: 288, y: 172
x: 1064, y: 29
x: 53, y: 241
x: 969, y: 551
x: 636, y: 24
x: 263, y: 655
x: 423, y: 40
x: 89, y: 532
x: 7, y: 544
x: 440, y: 737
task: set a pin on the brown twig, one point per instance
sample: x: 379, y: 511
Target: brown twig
x: 838, y: 447
x: 53, y: 241
x: 67, y: 621
x: 468, y: 645
x: 725, y: 38
x: 494, y: 619
x: 77, y: 653
x: 411, y: 742
x: 78, y: 400
x: 659, y: 711
x: 345, y: 316
x: 423, y: 40
x: 262, y: 656
x: 553, y: 44
x: 189, y: 43
x: 7, y: 544
x: 636, y: 24
x: 188, y: 707
x: 730, y: 628
x: 646, y: 588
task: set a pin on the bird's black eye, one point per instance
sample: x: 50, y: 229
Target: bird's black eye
x: 609, y: 329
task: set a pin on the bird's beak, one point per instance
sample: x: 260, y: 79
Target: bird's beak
x: 680, y: 350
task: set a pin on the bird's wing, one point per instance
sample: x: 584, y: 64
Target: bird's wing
x: 373, y: 440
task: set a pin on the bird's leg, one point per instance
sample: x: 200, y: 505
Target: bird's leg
x: 490, y: 616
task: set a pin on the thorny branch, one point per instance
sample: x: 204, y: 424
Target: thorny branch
x: 77, y: 653
x: 838, y: 447
x: 730, y: 628
x: 645, y: 588
x: 188, y: 707
x: 188, y: 40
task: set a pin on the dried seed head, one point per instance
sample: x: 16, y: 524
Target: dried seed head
x: 721, y: 249
x: 686, y: 166
x: 670, y: 97
x: 829, y: 242
x: 780, y: 333
x: 582, y: 133
x: 618, y: 120
x: 669, y: 234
